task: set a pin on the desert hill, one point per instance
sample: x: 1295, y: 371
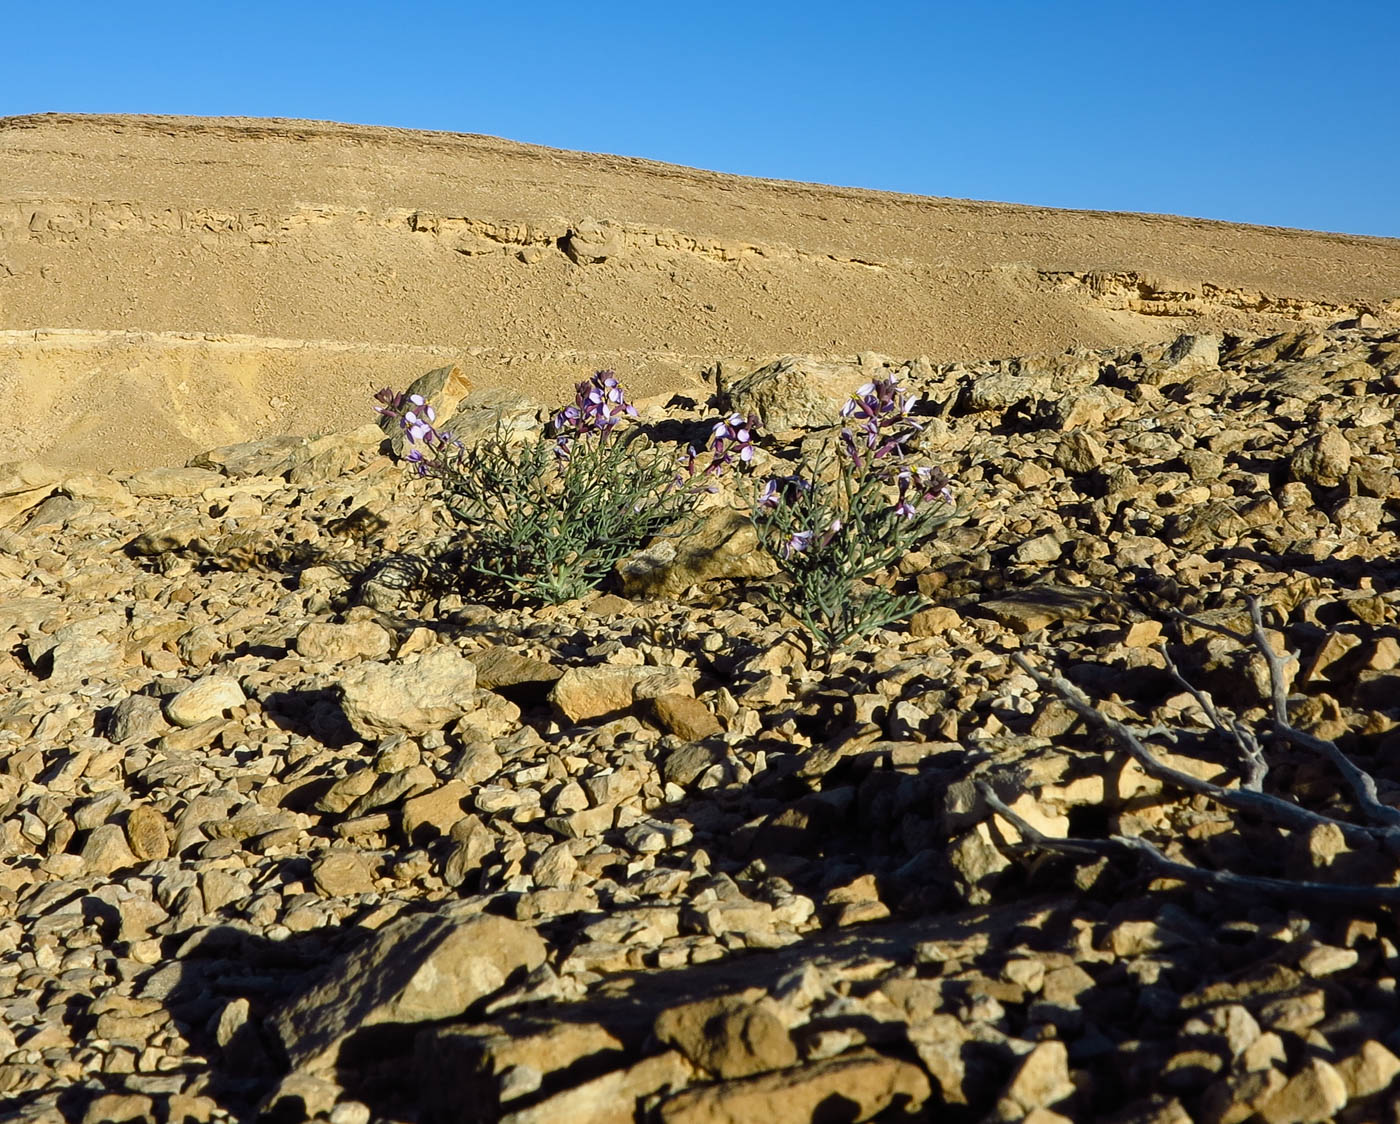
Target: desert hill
x: 170, y: 284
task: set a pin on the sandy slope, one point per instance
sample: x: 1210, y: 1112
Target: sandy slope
x: 168, y: 283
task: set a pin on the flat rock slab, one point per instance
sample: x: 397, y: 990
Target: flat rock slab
x: 417, y: 969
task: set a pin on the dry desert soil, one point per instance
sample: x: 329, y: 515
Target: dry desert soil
x: 300, y: 822
x: 172, y: 284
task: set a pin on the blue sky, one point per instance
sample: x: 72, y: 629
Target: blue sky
x: 1284, y: 113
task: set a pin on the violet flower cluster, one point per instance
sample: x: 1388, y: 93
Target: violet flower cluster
x: 730, y: 446
x: 874, y: 445
x: 417, y: 420
x: 836, y: 527
x: 599, y: 405
x: 882, y: 425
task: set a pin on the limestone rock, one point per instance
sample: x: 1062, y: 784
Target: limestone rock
x: 23, y: 486
x: 500, y: 666
x: 431, y: 814
x: 266, y: 456
x: 1079, y: 453
x: 146, y: 833
x: 442, y: 389
x: 1323, y: 460
x: 586, y: 693
x: 589, y: 242
x: 172, y: 482
x: 211, y: 697
x: 1315, y: 1093
x: 795, y: 392
x: 685, y: 716
x: 416, y: 969
x: 610, y: 1099
x: 723, y: 546
x: 730, y: 1036
x: 337, y: 643
x: 341, y: 873
x: 106, y: 850
x: 863, y: 1084
x: 1370, y: 1070
x: 424, y: 692
x: 1042, y: 1079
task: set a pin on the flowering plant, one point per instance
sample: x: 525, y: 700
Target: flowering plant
x: 836, y: 526
x: 549, y: 519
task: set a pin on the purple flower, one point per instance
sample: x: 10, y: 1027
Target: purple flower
x: 417, y: 418
x: 781, y: 489
x: 881, y: 411
x: 418, y: 428
x: 599, y: 405
x: 731, y: 437
x: 799, y: 542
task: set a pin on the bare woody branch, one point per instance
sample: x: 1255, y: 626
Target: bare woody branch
x: 1261, y: 804
x: 1363, y: 785
x: 1256, y: 768
x: 1121, y: 845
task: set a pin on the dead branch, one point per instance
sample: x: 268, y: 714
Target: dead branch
x: 1363, y: 785
x: 1119, y: 845
x: 1256, y: 768
x: 1261, y: 804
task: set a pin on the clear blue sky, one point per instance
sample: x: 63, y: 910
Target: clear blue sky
x: 1284, y: 113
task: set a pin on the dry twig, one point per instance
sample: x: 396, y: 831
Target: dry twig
x: 1262, y: 804
x: 1363, y: 785
x: 1117, y: 845
x: 1383, y: 825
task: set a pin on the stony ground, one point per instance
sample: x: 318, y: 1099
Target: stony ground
x: 288, y: 832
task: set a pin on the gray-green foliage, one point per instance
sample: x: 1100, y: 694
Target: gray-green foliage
x: 831, y: 538
x: 549, y: 528
x: 850, y: 515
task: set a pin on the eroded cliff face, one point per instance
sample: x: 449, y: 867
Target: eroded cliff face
x: 168, y: 283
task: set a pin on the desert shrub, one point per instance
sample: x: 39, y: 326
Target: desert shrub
x: 849, y: 515
x: 547, y: 519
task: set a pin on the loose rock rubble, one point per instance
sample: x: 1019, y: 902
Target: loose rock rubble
x: 290, y: 830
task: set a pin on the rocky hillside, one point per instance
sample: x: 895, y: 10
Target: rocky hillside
x: 285, y: 831
x: 172, y: 284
